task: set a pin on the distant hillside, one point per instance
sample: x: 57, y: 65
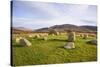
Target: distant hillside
x: 65, y: 27
x: 42, y: 30
x: 20, y: 30
x: 59, y: 28
x: 92, y: 28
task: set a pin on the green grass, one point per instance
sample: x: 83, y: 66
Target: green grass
x: 52, y: 51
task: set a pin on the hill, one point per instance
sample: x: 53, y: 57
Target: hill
x: 59, y: 28
x: 65, y: 27
x: 92, y: 28
x: 20, y: 30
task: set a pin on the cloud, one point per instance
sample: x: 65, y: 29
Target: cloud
x: 35, y: 24
x: 77, y: 10
x: 44, y: 7
x: 47, y: 14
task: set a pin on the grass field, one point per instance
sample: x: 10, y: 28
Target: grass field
x: 52, y: 51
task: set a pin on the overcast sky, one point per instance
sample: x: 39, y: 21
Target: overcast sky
x: 34, y: 15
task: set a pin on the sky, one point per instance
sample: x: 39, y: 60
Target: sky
x: 34, y: 15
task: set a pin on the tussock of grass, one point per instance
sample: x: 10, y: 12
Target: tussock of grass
x: 52, y: 51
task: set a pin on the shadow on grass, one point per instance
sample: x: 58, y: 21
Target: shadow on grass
x: 90, y: 43
x: 54, y: 40
x: 58, y: 40
x: 17, y: 46
x: 62, y: 47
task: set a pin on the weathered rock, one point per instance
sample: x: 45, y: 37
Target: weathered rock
x: 45, y: 38
x: 57, y: 33
x: 24, y: 42
x: 53, y: 32
x: 71, y: 36
x: 30, y: 36
x: 37, y: 36
x: 18, y: 39
x: 94, y: 42
x: 69, y: 45
x: 81, y: 35
x: 85, y: 36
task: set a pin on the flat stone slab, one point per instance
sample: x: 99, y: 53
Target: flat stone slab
x: 93, y: 42
x: 69, y: 45
x: 24, y: 42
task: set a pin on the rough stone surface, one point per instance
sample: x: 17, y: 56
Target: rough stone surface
x: 71, y: 37
x: 94, y: 42
x: 81, y: 35
x: 37, y: 36
x: 45, y: 38
x: 57, y: 33
x: 85, y: 36
x: 30, y: 36
x: 53, y: 32
x: 69, y: 45
x: 24, y: 42
x: 18, y: 39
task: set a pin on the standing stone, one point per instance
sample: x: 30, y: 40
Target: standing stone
x: 18, y: 39
x: 81, y: 35
x: 37, y: 36
x: 24, y: 42
x: 69, y: 45
x: 71, y: 36
x: 85, y: 36
x: 53, y: 32
x: 30, y: 36
x: 45, y: 38
x: 57, y: 33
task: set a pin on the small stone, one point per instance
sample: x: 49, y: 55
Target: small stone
x: 69, y: 45
x: 24, y: 42
x: 45, y: 38
x: 18, y: 39
x: 37, y: 36
x: 93, y: 42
